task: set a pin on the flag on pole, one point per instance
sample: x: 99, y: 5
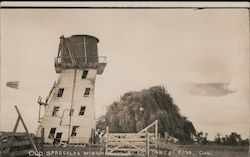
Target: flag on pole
x: 12, y: 84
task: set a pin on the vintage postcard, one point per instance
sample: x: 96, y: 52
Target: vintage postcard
x: 123, y: 79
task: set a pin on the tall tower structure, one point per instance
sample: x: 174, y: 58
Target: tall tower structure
x: 70, y: 109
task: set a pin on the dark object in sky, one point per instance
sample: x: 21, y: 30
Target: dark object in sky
x: 209, y: 89
x: 12, y: 84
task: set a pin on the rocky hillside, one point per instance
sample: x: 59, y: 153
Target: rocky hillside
x: 137, y: 109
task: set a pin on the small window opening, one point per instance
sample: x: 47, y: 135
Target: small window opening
x: 85, y: 74
x: 60, y: 92
x: 55, y: 111
x: 82, y: 110
x: 87, y: 92
x: 74, y: 130
x: 52, y: 133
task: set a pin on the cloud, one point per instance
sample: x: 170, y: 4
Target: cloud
x: 209, y: 89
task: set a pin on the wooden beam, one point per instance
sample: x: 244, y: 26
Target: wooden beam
x: 26, y: 129
x: 70, y: 53
x: 13, y: 133
x: 15, y: 143
x: 17, y: 123
x: 147, y: 144
x: 106, y: 140
x: 149, y: 126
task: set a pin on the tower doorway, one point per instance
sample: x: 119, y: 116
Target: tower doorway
x: 57, y: 140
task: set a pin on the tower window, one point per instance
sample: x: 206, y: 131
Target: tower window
x: 87, y: 91
x: 73, y: 133
x: 60, y: 92
x: 55, y: 111
x: 52, y: 132
x: 82, y: 110
x: 85, y: 74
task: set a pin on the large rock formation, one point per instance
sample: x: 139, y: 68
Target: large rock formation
x: 136, y: 110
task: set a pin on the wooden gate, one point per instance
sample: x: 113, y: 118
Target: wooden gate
x: 142, y: 143
x: 127, y: 144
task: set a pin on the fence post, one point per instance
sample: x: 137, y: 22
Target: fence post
x: 156, y: 137
x: 156, y: 129
x: 147, y: 144
x: 106, y: 142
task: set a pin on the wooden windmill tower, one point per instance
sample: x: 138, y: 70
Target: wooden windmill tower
x: 70, y: 109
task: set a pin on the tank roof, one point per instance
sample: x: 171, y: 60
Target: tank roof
x: 78, y: 35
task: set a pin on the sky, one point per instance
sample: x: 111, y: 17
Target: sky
x: 144, y: 48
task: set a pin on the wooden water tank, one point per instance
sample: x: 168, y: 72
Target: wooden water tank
x: 83, y: 48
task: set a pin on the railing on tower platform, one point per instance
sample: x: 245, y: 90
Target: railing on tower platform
x: 97, y: 62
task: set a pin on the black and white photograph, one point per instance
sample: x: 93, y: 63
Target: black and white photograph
x: 124, y: 79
